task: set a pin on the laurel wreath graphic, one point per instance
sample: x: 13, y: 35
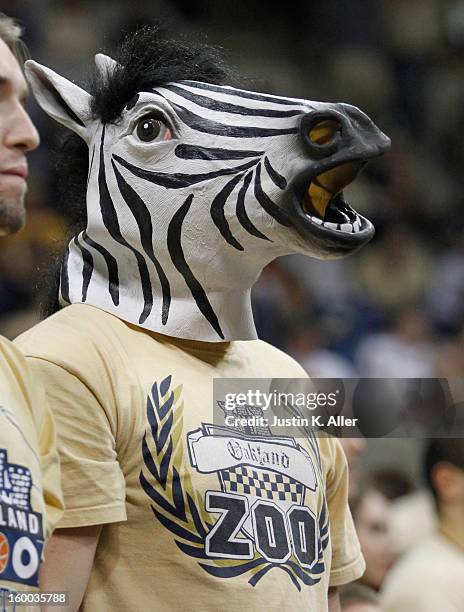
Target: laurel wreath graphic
x: 179, y: 508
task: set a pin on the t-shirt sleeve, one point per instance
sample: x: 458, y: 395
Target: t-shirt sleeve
x: 35, y: 402
x: 347, y: 560
x: 51, y: 474
x: 92, y: 482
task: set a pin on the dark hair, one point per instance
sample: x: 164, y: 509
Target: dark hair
x: 72, y: 163
x: 442, y: 450
x: 147, y: 58
x: 392, y: 482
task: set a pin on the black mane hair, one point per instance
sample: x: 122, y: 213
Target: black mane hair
x: 147, y: 58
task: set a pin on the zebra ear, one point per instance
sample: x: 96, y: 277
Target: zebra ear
x: 105, y: 64
x: 61, y: 99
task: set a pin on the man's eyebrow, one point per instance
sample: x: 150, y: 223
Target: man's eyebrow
x: 6, y: 82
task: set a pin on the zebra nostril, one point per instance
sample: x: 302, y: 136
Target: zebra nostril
x: 324, y: 132
x: 321, y: 133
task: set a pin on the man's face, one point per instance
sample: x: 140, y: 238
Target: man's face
x: 17, y: 136
x: 354, y: 448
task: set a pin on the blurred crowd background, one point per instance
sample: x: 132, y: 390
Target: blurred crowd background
x: 396, y: 309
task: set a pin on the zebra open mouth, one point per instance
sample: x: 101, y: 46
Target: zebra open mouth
x: 321, y: 213
x: 338, y: 215
x: 324, y: 203
x: 340, y: 143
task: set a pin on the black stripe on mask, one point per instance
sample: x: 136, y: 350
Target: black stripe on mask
x: 110, y: 220
x: 186, y: 151
x: 241, y: 93
x: 232, y: 131
x: 272, y: 209
x: 64, y: 277
x: 226, y: 107
x: 218, y: 216
x: 111, y: 264
x: 177, y: 180
x: 143, y: 219
x: 90, y: 165
x: 178, y: 259
x: 275, y: 177
x: 88, y: 267
x: 241, y: 212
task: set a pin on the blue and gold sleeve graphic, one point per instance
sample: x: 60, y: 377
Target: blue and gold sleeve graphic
x: 21, y: 529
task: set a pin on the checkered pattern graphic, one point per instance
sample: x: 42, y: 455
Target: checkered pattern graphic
x: 268, y: 485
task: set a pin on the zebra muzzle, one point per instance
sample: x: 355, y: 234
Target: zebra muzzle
x: 338, y: 141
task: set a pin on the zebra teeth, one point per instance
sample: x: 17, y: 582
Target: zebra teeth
x: 318, y: 209
x: 346, y: 227
x: 329, y: 225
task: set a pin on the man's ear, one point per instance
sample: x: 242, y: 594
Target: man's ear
x: 61, y: 99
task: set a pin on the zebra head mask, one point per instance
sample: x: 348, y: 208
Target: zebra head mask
x: 196, y: 188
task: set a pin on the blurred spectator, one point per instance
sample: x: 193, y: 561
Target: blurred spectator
x: 450, y: 365
x: 413, y: 34
x: 405, y: 351
x: 414, y: 518
x: 356, y: 597
x: 354, y: 448
x: 371, y: 512
x: 277, y: 298
x: 429, y: 577
x: 394, y: 271
x: 392, y: 482
x: 445, y: 297
x: 450, y: 359
x: 331, y: 282
x: 305, y: 343
x: 412, y: 511
x: 366, y: 74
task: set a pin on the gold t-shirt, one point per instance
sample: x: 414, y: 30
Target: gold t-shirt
x: 30, y: 489
x: 187, y: 527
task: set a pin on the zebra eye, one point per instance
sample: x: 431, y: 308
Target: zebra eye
x: 149, y: 128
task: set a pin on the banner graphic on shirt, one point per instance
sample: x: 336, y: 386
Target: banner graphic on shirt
x: 21, y: 529
x: 256, y: 519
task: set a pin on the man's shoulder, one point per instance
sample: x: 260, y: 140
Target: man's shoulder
x: 19, y: 390
x: 72, y: 334
x: 279, y: 363
x: 13, y: 366
x: 8, y: 351
x: 13, y: 369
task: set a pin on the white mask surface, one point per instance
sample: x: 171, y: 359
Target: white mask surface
x: 195, y: 189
